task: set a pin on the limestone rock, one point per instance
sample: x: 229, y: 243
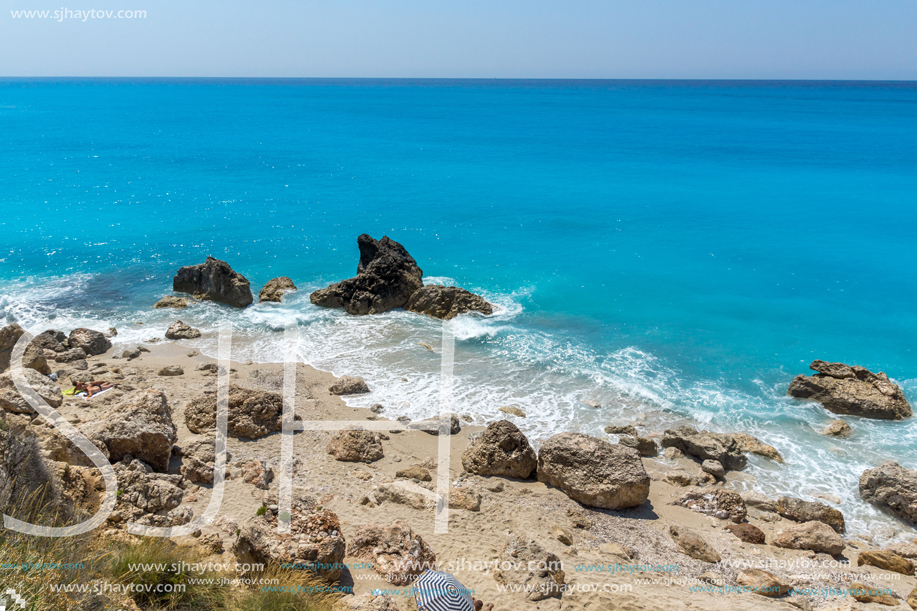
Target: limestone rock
x: 887, y: 561
x: 274, y: 289
x: 404, y: 493
x: 349, y: 385
x: 912, y: 599
x: 512, y: 410
x: 454, y: 425
x: 714, y: 468
x: 720, y: 503
x: 750, y: 444
x: 759, y: 501
x: 690, y: 543
x: 386, y: 278
x: 252, y: 413
x: 762, y: 582
x: 852, y: 390
x: 593, y: 471
x: 705, y: 445
x: 171, y: 370
x: 525, y: 565
x: 179, y: 330
x: 891, y: 487
x: 814, y: 536
x: 214, y: 280
x: 12, y: 401
x: 415, y: 472
x: 171, y: 301
x: 197, y: 471
x: 907, y: 550
x: 643, y: 445
x: 872, y: 594
x: 32, y: 358
x: 355, y: 446
x: 621, y: 430
x: 446, y: 302
x: 748, y: 533
x: 92, y: 342
x: 140, y: 426
x: 464, y: 498
x: 315, y: 541
x: 502, y: 450
x: 808, y: 511
x: 395, y: 551
x: 257, y: 473
x: 147, y: 497
x: 837, y: 428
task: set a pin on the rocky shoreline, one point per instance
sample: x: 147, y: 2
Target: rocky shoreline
x: 558, y: 525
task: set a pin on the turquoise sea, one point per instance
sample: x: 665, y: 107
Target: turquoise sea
x: 677, y: 251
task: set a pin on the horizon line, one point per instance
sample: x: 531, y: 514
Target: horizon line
x: 468, y: 79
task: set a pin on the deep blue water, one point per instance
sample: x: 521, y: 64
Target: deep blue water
x: 679, y: 249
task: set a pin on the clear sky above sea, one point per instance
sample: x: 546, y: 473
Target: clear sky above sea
x: 747, y: 39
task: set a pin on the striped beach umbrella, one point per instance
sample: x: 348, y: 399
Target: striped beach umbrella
x: 438, y: 591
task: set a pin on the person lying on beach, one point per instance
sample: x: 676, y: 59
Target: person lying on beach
x: 93, y: 388
x: 479, y: 604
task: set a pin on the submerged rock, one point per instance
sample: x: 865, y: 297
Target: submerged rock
x: 594, y: 472
x: 891, y: 487
x: 214, y: 280
x: 842, y: 389
x: 837, y: 428
x: 502, y: 450
x: 274, y: 289
x: 446, y: 302
x: 386, y: 278
x: 171, y: 301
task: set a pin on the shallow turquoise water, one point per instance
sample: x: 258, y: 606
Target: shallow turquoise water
x: 680, y: 250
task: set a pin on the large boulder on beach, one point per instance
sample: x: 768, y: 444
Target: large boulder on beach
x: 355, y: 446
x: 12, y: 401
x: 386, y: 278
x: 140, y: 426
x: 349, y: 385
x: 814, y: 536
x: 594, y: 472
x: 214, y: 280
x: 315, y: 542
x: 719, y: 503
x: 252, y: 413
x: 33, y: 356
x: 92, y: 342
x: 502, y: 450
x: 893, y: 488
x: 856, y: 391
x: 395, y: 551
x: 446, y: 302
x: 275, y: 288
x: 180, y: 330
x: 799, y: 510
x: 706, y: 445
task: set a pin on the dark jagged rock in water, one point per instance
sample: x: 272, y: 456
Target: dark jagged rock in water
x: 852, y: 390
x: 216, y: 281
x: 386, y: 278
x: 446, y: 302
x: 274, y: 289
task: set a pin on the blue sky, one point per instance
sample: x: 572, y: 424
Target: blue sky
x: 766, y: 39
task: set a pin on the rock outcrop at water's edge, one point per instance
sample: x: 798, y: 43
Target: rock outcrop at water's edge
x: 386, y: 278
x: 891, y: 487
x: 214, y: 280
x: 446, y: 302
x: 856, y: 391
x: 705, y: 445
x: 594, y: 472
x: 274, y: 289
